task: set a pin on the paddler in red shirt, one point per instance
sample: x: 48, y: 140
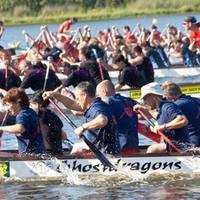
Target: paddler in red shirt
x: 65, y: 26
x: 193, y: 27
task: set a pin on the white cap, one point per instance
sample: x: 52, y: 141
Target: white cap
x: 151, y: 88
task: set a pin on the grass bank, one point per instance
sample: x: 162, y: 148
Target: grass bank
x: 57, y: 13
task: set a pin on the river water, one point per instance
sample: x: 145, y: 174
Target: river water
x: 124, y: 187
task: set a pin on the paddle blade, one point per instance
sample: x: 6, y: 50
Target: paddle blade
x: 150, y: 135
x: 21, y: 59
x: 98, y: 153
x: 2, y: 123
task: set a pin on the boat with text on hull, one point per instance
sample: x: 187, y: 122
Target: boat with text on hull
x: 46, y: 167
x: 191, y: 88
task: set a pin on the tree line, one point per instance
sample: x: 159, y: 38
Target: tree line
x: 37, y: 5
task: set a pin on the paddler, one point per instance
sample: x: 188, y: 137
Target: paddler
x: 170, y: 119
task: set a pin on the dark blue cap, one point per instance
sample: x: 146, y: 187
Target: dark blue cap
x: 191, y: 19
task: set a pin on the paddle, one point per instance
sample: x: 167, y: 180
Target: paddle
x: 46, y: 75
x: 6, y: 76
x: 2, y: 123
x: 159, y: 132
x: 23, y: 57
x: 26, y: 37
x: 99, y: 63
x: 150, y: 135
x: 92, y: 147
x: 44, y: 88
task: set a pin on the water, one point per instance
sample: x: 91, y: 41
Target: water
x: 123, y: 186
x: 13, y: 34
x: 173, y: 188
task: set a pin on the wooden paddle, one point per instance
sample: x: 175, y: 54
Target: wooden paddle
x: 92, y: 147
x: 151, y: 123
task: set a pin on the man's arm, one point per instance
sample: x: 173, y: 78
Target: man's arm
x: 99, y: 122
x: 179, y: 122
x: 66, y: 101
x: 15, y: 129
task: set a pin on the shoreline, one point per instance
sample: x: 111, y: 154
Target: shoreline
x: 89, y: 16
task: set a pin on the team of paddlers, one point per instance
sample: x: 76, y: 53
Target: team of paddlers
x: 111, y: 119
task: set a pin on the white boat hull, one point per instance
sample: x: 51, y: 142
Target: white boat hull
x: 57, y: 168
x: 170, y: 72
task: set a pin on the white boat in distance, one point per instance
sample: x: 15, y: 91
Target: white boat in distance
x: 179, y: 75
x: 33, y: 168
x: 169, y: 72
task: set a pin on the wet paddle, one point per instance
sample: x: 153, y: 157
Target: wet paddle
x: 92, y: 147
x: 151, y: 123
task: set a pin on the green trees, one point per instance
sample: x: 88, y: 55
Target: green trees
x: 36, y: 5
x: 48, y: 11
x: 7, y: 5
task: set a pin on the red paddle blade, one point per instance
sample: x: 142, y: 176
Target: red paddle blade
x: 22, y: 58
x: 150, y: 135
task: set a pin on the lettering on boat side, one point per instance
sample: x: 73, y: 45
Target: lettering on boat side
x: 4, y: 169
x: 193, y: 89
x: 75, y: 165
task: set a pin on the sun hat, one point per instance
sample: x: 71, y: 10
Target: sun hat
x: 191, y: 19
x: 151, y: 88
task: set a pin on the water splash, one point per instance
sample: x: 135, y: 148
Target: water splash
x: 67, y: 175
x: 135, y: 176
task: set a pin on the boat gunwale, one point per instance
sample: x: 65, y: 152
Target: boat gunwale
x: 66, y: 155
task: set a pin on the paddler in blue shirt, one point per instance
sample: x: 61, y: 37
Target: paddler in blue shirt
x: 99, y: 124
x: 126, y: 118
x: 27, y: 128
x: 170, y: 119
x: 190, y: 107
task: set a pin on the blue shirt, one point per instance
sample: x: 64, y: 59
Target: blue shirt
x: 127, y: 120
x: 107, y: 137
x: 31, y: 140
x: 167, y: 112
x: 190, y: 107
